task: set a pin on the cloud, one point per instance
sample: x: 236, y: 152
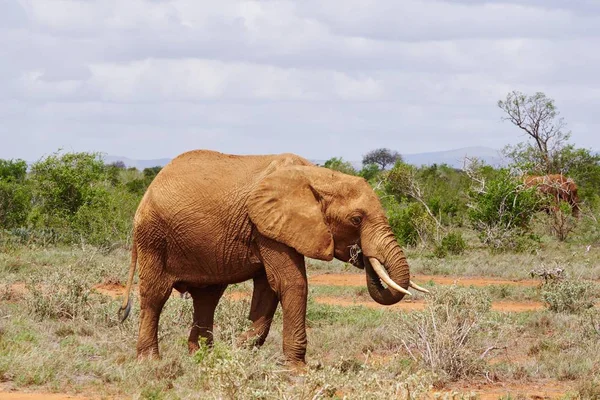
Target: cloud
x: 309, y: 77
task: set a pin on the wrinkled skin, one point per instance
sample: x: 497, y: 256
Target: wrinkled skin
x: 558, y: 187
x: 210, y: 219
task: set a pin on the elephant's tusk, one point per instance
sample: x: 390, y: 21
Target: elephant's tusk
x: 382, y: 273
x: 417, y: 287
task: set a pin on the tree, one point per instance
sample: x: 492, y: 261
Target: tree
x: 381, y: 157
x: 369, y: 171
x: 15, y: 194
x: 118, y: 164
x: 538, y: 117
x: 13, y: 170
x: 338, y: 164
x: 151, y: 172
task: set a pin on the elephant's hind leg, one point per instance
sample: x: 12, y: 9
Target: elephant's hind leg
x: 205, y: 301
x: 153, y: 296
x: 264, y: 305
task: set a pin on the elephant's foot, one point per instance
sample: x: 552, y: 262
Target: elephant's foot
x: 148, y: 354
x: 193, y: 347
x: 295, y: 367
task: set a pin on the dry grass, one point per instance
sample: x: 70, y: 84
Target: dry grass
x: 60, y: 335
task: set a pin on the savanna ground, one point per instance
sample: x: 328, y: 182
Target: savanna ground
x: 487, y: 331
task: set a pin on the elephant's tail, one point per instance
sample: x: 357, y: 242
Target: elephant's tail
x: 126, y: 306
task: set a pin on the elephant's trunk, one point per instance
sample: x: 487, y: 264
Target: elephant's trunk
x: 385, y: 261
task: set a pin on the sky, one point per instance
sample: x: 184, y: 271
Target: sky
x: 152, y: 79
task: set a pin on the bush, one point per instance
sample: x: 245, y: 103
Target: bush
x: 452, y: 243
x: 411, y: 224
x: 15, y: 194
x: 62, y: 295
x: 338, y: 164
x: 369, y: 171
x: 64, y: 183
x: 568, y: 296
x: 13, y: 170
x: 444, y: 337
x: 501, y: 211
x: 562, y: 221
x: 15, y: 204
x: 74, y: 195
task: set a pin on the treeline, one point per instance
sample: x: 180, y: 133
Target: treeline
x: 434, y: 206
x: 69, y: 198
x: 77, y: 198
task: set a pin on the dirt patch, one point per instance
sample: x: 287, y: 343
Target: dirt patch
x: 115, y: 290
x: 110, y: 289
x: 360, y: 280
x: 530, y: 390
x: 38, y: 396
x: 415, y: 305
x: 118, y: 290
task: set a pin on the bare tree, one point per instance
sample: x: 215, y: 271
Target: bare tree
x: 382, y: 157
x: 538, y: 117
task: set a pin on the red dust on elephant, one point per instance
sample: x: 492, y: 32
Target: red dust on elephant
x: 210, y: 219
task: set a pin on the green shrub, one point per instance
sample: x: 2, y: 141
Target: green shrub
x: 15, y: 194
x: 15, y: 204
x: 78, y: 197
x: 65, y: 182
x: 501, y: 211
x: 209, y: 356
x: 369, y: 171
x: 13, y: 170
x: 569, y: 296
x: 452, y: 243
x: 338, y: 164
x: 411, y: 224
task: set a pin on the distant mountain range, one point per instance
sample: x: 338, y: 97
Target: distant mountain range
x: 139, y: 164
x: 452, y: 158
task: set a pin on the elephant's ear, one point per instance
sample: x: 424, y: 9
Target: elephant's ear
x: 286, y: 208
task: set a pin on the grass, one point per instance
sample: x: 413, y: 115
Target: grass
x: 60, y: 335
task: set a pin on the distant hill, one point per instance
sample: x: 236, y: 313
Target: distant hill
x: 453, y: 158
x: 139, y: 164
x: 456, y: 157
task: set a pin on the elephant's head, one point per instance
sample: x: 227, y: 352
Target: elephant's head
x: 324, y: 214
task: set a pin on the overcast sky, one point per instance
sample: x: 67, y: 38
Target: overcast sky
x: 151, y: 79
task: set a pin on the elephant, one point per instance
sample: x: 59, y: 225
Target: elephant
x: 210, y: 219
x: 558, y: 187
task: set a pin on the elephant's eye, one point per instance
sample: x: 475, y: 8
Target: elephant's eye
x: 356, y: 220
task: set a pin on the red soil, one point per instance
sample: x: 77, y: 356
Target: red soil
x: 360, y: 280
x: 508, y: 306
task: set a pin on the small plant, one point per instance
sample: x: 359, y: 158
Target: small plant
x: 561, y: 294
x: 59, y: 296
x: 568, y: 296
x: 562, y: 222
x: 443, y: 337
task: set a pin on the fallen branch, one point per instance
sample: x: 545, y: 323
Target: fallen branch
x: 482, y: 356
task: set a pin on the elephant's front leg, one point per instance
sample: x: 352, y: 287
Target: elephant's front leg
x: 205, y: 302
x: 264, y: 305
x: 286, y: 274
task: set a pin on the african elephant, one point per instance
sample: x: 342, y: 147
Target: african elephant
x: 210, y: 219
x: 558, y: 187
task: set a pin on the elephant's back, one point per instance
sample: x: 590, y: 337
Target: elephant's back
x: 208, y: 183
x: 220, y: 171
